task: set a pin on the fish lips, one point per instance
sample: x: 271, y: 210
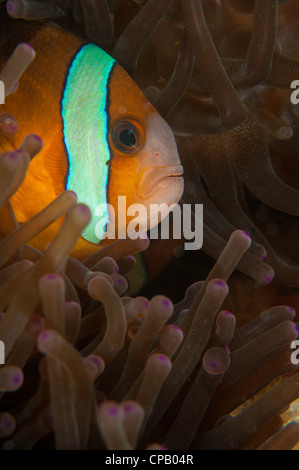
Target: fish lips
x: 163, y: 178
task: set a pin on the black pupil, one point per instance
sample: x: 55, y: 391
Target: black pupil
x: 127, y: 138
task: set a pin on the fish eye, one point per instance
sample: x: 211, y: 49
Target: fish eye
x: 127, y: 137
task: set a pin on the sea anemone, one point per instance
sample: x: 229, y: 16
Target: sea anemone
x: 72, y: 338
x: 222, y: 79
x: 93, y: 366
x: 151, y: 374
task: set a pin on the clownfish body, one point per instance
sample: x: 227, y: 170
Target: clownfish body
x: 102, y: 138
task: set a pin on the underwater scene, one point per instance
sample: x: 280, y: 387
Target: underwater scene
x: 149, y: 225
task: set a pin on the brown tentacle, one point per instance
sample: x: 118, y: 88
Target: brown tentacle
x: 178, y: 83
x: 193, y: 116
x: 230, y: 107
x: 98, y: 22
x: 132, y: 40
x: 261, y: 48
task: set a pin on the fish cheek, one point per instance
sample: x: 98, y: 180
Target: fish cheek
x: 122, y: 182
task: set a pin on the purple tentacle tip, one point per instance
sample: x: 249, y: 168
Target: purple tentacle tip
x: 9, y: 7
x: 162, y: 358
x: 13, y: 155
x: 96, y: 360
x: 220, y: 283
x: 17, y: 379
x: 51, y: 276
x: 166, y: 303
x: 44, y: 336
x: 6, y: 424
x: 246, y: 234
x: 128, y: 408
x: 175, y: 327
x: 84, y: 209
x: 228, y: 313
x: 112, y: 411
x: 29, y: 45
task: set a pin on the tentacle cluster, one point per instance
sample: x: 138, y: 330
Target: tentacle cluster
x: 146, y: 371
x: 234, y: 60
x: 150, y: 374
x: 226, y: 93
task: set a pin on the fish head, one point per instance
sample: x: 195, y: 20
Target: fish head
x: 145, y: 166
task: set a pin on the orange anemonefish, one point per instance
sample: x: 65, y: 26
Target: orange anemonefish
x: 102, y: 137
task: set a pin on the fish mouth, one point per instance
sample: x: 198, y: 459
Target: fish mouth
x: 151, y: 180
